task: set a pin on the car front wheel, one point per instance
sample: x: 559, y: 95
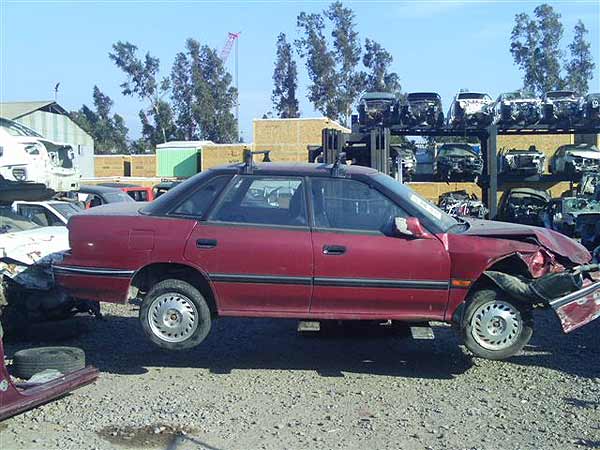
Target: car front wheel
x: 175, y: 315
x: 495, y: 326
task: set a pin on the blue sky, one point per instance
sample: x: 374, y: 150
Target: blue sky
x: 438, y: 46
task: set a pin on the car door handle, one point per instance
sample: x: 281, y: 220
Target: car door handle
x: 334, y: 249
x: 206, y: 243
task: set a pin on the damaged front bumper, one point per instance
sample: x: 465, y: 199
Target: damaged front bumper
x: 574, y: 295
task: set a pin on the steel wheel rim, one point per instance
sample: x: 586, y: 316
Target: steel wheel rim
x: 173, y: 317
x: 496, y: 325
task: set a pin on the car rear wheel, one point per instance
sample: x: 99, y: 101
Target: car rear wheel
x: 175, y: 315
x: 495, y: 326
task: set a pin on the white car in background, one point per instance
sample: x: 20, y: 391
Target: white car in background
x: 27, y: 156
x: 47, y: 214
x: 471, y: 109
x: 575, y: 159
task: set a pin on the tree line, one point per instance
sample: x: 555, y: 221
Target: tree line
x: 196, y: 100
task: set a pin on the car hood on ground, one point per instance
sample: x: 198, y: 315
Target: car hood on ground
x: 551, y: 240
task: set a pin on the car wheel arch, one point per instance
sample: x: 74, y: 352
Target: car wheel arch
x: 155, y: 272
x: 509, y: 264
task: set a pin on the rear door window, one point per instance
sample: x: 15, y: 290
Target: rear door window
x: 264, y: 201
x: 199, y: 201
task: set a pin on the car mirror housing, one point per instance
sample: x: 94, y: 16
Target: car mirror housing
x: 410, y: 227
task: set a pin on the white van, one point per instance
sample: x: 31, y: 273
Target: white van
x: 27, y: 156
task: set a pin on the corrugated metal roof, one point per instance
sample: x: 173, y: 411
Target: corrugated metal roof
x: 14, y: 110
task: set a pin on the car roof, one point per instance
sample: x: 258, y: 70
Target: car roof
x: 96, y: 189
x: 302, y: 169
x: 119, y: 185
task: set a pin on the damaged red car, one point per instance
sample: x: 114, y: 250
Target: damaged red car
x: 317, y: 242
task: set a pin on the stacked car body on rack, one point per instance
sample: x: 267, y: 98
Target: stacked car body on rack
x: 522, y: 162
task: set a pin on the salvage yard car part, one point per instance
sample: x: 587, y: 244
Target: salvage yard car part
x: 561, y: 108
x: 17, y: 398
x: 574, y: 217
x: 462, y: 204
x: 589, y: 185
x: 575, y: 159
x: 522, y: 162
x: 137, y: 193
x: 422, y: 110
x: 590, y: 109
x: 376, y: 109
x: 27, y: 156
x: 470, y: 109
x: 457, y: 161
x: 407, y: 159
x: 517, y: 108
x: 523, y: 205
x: 350, y: 243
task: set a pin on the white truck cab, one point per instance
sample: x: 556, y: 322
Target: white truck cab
x: 27, y: 156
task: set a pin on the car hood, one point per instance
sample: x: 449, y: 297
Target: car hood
x: 591, y: 154
x: 551, y: 240
x: 32, y: 246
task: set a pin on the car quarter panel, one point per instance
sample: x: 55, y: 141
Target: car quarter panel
x: 106, y: 251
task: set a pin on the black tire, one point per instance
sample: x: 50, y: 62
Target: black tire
x: 198, y: 311
x: 518, y: 313
x: 27, y: 363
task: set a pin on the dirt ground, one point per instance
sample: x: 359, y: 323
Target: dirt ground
x: 258, y: 384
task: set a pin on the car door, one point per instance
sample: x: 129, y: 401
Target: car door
x: 256, y: 246
x: 361, y: 269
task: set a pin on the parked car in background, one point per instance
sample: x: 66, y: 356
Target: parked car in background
x: 469, y: 109
x: 457, y: 161
x: 350, y: 243
x: 573, y: 216
x: 522, y: 162
x: 47, y: 213
x: 27, y: 156
x: 93, y: 195
x: 462, y: 204
x: 561, y: 108
x: 574, y: 159
x: 376, y: 109
x: 137, y: 193
x: 523, y: 205
x: 517, y: 108
x: 590, y: 109
x: 163, y: 187
x: 422, y: 110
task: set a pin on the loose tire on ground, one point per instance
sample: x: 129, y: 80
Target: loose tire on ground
x: 27, y: 363
x: 496, y: 326
x: 175, y: 316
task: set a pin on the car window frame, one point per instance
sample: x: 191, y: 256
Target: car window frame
x: 371, y: 185
x: 171, y: 212
x: 221, y: 197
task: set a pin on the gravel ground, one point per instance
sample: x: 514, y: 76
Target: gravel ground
x: 257, y: 384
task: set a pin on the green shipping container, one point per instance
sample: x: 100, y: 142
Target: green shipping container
x: 177, y: 161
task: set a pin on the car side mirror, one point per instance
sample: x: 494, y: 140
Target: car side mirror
x: 410, y: 227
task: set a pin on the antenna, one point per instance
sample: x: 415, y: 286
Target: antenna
x: 232, y: 39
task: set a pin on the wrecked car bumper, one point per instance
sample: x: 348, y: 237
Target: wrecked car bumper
x: 578, y: 308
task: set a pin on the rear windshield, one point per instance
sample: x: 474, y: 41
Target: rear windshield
x: 66, y: 209
x: 117, y: 196
x: 11, y: 222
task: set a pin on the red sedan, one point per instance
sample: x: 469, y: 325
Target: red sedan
x: 317, y: 242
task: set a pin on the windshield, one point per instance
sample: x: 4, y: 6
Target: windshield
x: 11, y: 222
x: 456, y: 151
x: 561, y: 94
x: 117, y: 196
x: 581, y: 205
x: 419, y: 207
x: 66, y: 209
x: 518, y: 199
x: 472, y: 96
x: 16, y: 129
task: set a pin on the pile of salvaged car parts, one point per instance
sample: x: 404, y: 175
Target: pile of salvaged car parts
x: 462, y: 204
x: 519, y: 109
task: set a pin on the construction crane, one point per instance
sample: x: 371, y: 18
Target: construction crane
x: 231, y: 40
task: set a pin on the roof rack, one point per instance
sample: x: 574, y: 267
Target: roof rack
x: 248, y: 159
x: 337, y: 168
